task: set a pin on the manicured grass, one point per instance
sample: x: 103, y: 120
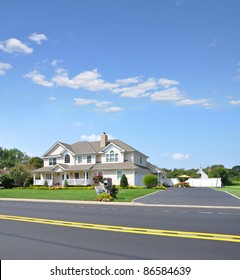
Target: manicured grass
x: 124, y: 195
x: 233, y: 189
x: 128, y: 195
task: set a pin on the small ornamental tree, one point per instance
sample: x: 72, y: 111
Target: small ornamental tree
x: 150, y: 181
x: 124, y: 181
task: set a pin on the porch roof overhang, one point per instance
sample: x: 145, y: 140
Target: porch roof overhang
x: 118, y: 166
x: 63, y: 167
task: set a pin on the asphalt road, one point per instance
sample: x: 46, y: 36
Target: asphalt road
x: 27, y: 240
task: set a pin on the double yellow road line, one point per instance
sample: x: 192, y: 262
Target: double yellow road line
x: 125, y: 229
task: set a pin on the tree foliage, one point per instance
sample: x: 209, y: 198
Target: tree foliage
x: 19, y: 166
x: 220, y: 172
x: 9, y: 158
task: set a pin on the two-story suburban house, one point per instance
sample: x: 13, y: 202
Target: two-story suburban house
x: 80, y: 162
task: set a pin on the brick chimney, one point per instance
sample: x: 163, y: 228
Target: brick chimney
x: 104, y: 140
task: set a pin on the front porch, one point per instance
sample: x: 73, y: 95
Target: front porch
x: 61, y: 178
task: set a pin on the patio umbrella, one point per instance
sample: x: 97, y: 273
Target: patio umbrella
x: 184, y: 176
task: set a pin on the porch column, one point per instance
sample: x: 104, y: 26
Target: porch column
x: 85, y: 176
x: 34, y: 178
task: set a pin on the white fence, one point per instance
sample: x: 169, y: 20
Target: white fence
x: 211, y: 182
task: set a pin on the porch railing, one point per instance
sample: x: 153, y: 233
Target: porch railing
x: 41, y: 182
x: 78, y: 182
x: 71, y: 182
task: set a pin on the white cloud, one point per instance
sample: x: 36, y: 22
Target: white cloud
x: 113, y: 109
x: 4, y: 67
x: 140, y: 90
x: 93, y: 137
x: 83, y: 102
x: 89, y: 80
x: 127, y: 81
x: 52, y: 98
x: 37, y: 38
x: 190, y: 102
x: 97, y: 103
x: 170, y: 94
x: 179, y: 156
x: 103, y: 103
x: 90, y: 138
x: 14, y: 45
x: 166, y: 83
x: 38, y: 78
x: 234, y: 102
x: 55, y: 62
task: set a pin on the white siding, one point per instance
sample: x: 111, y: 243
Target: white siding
x: 113, y: 174
x: 85, y: 159
x: 58, y: 149
x: 137, y: 158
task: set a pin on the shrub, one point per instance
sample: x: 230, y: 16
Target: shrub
x: 27, y: 183
x: 182, y: 185
x: 104, y: 197
x: 124, y: 181
x: 161, y: 188
x: 45, y: 183
x: 113, y: 192
x: 150, y: 181
x: 6, y: 181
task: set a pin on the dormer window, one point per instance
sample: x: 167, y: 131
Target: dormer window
x: 112, y: 156
x: 67, y: 158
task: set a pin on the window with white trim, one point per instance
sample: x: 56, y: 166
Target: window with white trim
x: 112, y: 156
x: 80, y: 159
x: 52, y: 161
x: 89, y: 159
x: 119, y: 174
x: 67, y: 158
x: 49, y: 176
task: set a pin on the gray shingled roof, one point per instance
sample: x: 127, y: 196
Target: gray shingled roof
x: 118, y: 165
x: 84, y: 147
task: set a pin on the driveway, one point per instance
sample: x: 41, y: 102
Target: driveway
x: 191, y: 196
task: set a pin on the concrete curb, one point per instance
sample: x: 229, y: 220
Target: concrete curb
x: 120, y: 203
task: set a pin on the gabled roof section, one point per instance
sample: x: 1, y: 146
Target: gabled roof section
x: 63, y: 145
x: 154, y: 168
x: 113, y: 144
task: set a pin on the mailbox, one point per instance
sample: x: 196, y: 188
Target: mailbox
x: 107, y: 182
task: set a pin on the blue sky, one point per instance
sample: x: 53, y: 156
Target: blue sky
x: 161, y: 75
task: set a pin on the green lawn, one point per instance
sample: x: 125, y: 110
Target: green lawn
x: 233, y: 189
x: 124, y: 195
